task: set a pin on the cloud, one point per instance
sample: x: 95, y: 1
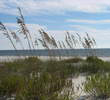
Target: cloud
x: 102, y: 36
x: 33, y: 28
x: 34, y: 7
x: 2, y: 5
x: 89, y: 21
x: 30, y: 26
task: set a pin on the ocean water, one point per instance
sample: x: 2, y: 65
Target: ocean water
x: 105, y: 52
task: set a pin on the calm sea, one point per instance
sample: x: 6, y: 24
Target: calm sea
x: 105, y: 52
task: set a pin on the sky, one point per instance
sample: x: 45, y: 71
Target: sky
x: 59, y: 16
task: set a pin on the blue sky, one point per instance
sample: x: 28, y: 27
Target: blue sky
x: 58, y: 16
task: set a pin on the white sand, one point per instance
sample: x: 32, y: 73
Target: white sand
x: 78, y: 85
x: 44, y: 58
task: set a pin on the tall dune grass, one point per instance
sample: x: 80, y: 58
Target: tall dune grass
x: 71, y: 41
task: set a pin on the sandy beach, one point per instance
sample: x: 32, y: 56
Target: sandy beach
x: 44, y: 58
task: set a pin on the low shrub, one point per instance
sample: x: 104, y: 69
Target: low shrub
x: 72, y: 60
x: 92, y: 65
x: 32, y: 79
x: 94, y: 59
x: 11, y: 85
x: 45, y: 87
x: 98, y: 85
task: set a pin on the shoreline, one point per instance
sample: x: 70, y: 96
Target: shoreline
x: 44, y: 58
